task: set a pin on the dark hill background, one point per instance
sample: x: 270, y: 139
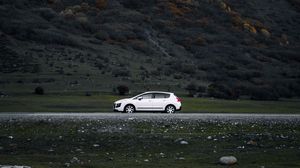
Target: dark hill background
x: 220, y: 48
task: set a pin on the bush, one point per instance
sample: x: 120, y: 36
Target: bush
x: 122, y: 89
x: 222, y: 91
x: 101, y: 4
x: 192, y: 89
x: 39, y: 90
x: 121, y: 72
x: 295, y: 3
x: 134, y: 4
x: 102, y: 35
x: 36, y: 68
x: 46, y: 13
x: 141, y: 46
x: 263, y: 93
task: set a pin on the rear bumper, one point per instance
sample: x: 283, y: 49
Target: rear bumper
x: 179, y: 109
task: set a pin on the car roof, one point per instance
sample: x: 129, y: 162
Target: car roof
x: 158, y: 92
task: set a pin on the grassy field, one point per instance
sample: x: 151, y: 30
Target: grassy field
x: 144, y: 143
x: 103, y: 103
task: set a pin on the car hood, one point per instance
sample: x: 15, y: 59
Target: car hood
x: 122, y: 100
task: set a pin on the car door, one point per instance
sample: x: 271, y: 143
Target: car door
x: 160, y: 101
x: 143, y: 102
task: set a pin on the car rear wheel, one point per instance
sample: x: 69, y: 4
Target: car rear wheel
x: 170, y: 109
x: 129, y: 109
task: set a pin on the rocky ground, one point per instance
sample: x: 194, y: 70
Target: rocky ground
x: 132, y: 141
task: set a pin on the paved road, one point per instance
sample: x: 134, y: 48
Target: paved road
x: 152, y: 116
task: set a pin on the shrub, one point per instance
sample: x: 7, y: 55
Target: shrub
x: 141, y: 46
x: 102, y: 35
x: 36, y: 68
x: 222, y: 91
x: 121, y: 72
x: 99, y: 65
x: 192, y: 89
x: 88, y: 94
x: 176, y: 10
x: 263, y: 93
x: 201, y: 89
x: 101, y: 4
x: 39, y: 90
x: 188, y: 68
x: 200, y: 41
x: 122, y: 89
x: 266, y: 33
x: 134, y: 4
x: 295, y: 3
x: 46, y: 13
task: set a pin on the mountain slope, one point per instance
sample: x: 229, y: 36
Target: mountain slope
x: 229, y: 47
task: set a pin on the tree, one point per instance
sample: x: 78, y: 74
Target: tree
x: 192, y: 89
x: 122, y: 89
x: 39, y: 90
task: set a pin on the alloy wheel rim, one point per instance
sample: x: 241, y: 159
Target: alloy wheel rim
x: 170, y: 109
x: 129, y: 109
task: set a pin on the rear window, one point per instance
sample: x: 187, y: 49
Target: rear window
x: 161, y: 95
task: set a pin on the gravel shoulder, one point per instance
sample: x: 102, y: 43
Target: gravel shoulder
x: 151, y: 116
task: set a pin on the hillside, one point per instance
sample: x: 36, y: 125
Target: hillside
x: 225, y: 48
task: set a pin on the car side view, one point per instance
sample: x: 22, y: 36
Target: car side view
x: 149, y: 101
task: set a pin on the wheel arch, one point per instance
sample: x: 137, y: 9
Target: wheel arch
x: 170, y: 105
x: 128, y: 105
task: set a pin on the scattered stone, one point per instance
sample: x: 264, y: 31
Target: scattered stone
x: 162, y: 154
x: 67, y: 164
x: 180, y: 158
x: 241, y: 147
x: 184, y: 142
x: 96, y: 145
x: 10, y: 137
x: 228, y: 160
x: 252, y: 142
x: 209, y: 137
x: 146, y: 160
x: 74, y: 160
x: 265, y: 32
x: 51, y: 150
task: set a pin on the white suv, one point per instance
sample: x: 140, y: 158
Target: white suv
x: 149, y: 101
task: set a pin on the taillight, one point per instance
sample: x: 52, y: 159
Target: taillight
x: 178, y: 99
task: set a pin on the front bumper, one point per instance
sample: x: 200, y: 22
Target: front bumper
x: 117, y: 107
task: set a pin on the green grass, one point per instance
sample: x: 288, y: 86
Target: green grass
x: 129, y: 143
x: 73, y: 102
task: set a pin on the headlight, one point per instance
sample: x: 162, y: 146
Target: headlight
x: 117, y: 105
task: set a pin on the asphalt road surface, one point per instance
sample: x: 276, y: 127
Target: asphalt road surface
x: 152, y: 116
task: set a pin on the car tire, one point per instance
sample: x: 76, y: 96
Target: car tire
x: 129, y: 109
x: 170, y: 109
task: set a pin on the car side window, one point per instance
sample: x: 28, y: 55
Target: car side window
x: 147, y: 96
x: 161, y: 95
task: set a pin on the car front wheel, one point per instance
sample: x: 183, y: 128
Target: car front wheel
x: 129, y: 109
x: 170, y: 109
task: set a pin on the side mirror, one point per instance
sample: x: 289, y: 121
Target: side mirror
x: 140, y: 98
